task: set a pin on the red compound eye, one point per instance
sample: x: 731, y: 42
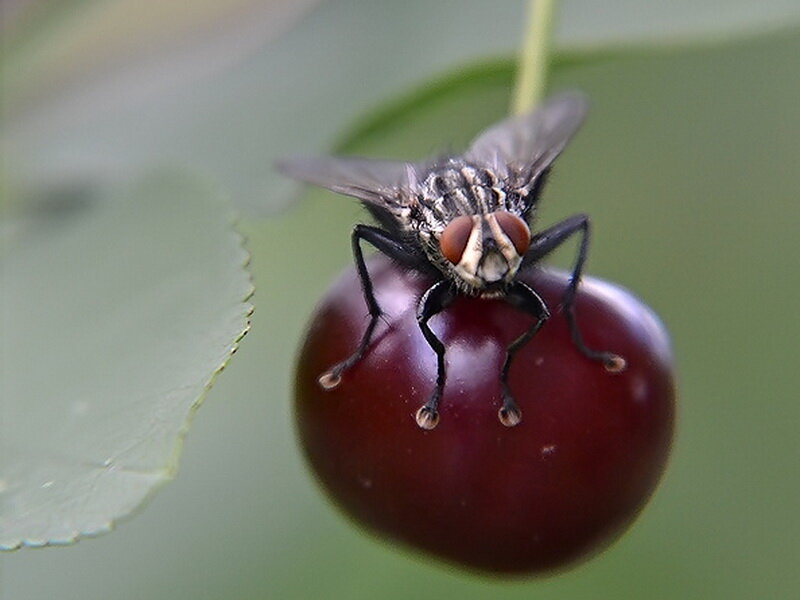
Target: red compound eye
x: 515, y: 229
x: 455, y: 237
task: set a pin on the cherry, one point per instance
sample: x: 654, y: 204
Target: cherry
x: 557, y: 487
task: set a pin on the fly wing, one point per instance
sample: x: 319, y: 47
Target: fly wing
x: 525, y: 146
x: 379, y: 183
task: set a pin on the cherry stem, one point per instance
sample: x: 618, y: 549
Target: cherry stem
x: 534, y: 58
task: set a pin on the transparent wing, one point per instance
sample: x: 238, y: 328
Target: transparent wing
x: 377, y: 182
x: 527, y: 144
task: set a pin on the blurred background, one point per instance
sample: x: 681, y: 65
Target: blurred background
x: 689, y: 166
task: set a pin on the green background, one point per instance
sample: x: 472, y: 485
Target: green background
x: 690, y: 167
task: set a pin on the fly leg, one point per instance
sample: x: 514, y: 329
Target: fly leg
x: 438, y: 297
x: 393, y: 248
x: 545, y: 242
x: 522, y: 297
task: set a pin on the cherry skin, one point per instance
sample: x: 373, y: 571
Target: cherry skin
x: 542, y: 495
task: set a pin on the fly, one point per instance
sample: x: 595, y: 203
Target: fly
x: 465, y: 220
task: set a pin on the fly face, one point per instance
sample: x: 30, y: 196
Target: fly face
x: 466, y: 219
x: 492, y: 254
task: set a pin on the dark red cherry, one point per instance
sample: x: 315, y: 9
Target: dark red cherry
x: 555, y: 489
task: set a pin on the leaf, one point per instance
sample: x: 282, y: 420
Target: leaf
x: 118, y: 313
x: 294, y: 95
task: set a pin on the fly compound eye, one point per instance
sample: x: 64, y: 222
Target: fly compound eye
x: 455, y: 237
x: 515, y: 230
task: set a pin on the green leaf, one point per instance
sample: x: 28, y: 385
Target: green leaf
x: 118, y: 312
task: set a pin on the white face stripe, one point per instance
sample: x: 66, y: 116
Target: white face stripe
x: 467, y: 267
x: 503, y: 242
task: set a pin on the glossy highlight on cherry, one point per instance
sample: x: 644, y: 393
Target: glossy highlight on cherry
x: 560, y: 485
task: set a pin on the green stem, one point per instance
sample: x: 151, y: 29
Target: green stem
x: 534, y: 58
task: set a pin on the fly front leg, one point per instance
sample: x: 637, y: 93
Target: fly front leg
x: 547, y: 241
x: 393, y: 248
x: 438, y: 297
x: 525, y: 299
